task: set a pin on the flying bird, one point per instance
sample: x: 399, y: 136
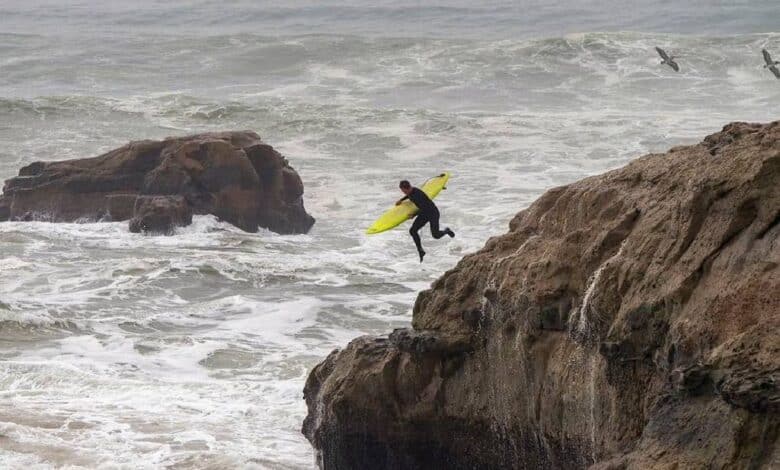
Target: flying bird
x: 770, y: 64
x: 667, y: 59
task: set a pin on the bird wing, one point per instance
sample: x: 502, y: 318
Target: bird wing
x: 767, y: 57
x: 674, y: 65
x: 662, y: 53
x: 775, y: 71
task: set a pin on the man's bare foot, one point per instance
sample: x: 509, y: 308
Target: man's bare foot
x: 422, y: 254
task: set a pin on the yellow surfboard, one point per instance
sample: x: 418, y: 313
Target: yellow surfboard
x: 397, y: 215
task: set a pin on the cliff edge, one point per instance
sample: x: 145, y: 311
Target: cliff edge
x: 628, y: 320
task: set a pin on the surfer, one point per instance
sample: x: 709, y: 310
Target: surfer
x: 427, y: 212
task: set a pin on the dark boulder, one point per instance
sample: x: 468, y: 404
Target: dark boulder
x: 232, y: 175
x: 5, y: 210
x: 160, y: 214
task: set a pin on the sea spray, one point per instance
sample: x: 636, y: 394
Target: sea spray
x: 111, y: 328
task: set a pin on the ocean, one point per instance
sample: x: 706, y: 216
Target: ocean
x: 125, y: 351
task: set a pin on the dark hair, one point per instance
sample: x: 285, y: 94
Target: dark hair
x: 405, y: 184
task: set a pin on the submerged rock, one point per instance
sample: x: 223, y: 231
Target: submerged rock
x: 232, y: 175
x: 628, y: 320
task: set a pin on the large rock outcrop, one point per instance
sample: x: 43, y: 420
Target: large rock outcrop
x: 629, y: 320
x: 232, y: 175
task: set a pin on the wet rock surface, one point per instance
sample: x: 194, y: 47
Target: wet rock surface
x: 628, y: 320
x: 160, y: 214
x: 232, y: 175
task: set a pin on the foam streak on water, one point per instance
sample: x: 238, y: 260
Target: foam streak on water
x: 192, y: 350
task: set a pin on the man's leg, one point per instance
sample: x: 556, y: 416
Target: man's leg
x: 435, y: 232
x: 418, y: 223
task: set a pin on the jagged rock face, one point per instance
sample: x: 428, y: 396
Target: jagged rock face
x: 233, y: 175
x: 629, y: 320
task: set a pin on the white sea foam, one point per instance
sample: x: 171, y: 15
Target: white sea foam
x: 192, y: 350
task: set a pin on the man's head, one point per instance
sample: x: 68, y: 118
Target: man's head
x: 405, y: 186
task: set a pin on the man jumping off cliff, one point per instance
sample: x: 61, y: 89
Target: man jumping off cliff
x: 427, y: 212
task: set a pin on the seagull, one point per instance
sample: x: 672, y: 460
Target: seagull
x: 667, y: 59
x: 770, y: 64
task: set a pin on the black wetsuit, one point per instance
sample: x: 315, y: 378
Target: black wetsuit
x: 428, y: 212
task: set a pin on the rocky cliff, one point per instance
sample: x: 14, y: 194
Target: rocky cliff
x: 233, y: 175
x: 629, y: 320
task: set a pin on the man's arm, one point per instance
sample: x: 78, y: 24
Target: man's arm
x: 398, y: 202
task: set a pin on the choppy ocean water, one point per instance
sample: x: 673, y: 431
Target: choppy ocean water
x: 118, y: 350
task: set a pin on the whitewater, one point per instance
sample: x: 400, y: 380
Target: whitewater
x: 126, y: 351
